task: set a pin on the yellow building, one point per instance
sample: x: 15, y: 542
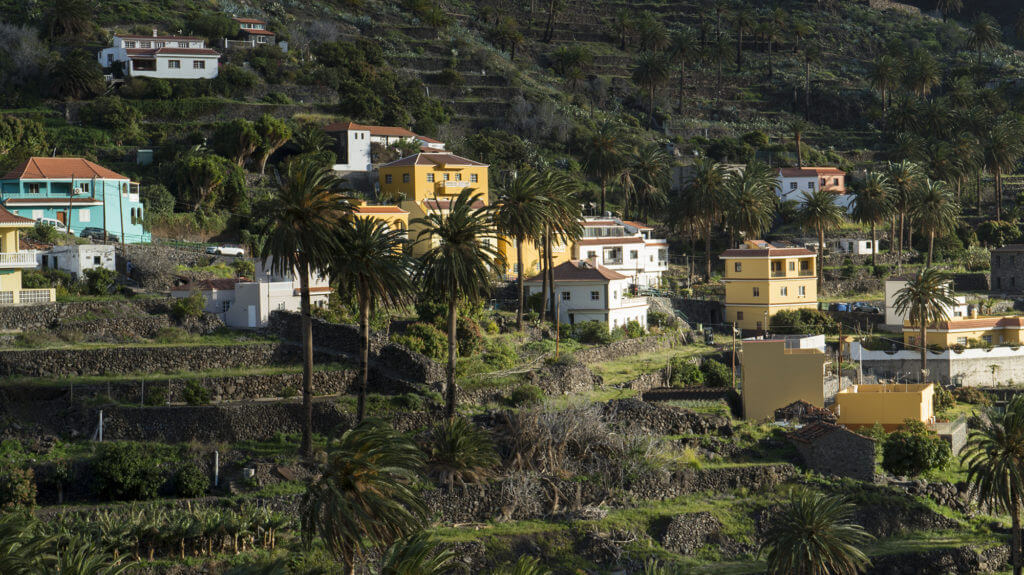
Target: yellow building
x: 888, y: 404
x: 13, y: 260
x: 395, y: 217
x: 762, y: 280
x: 778, y: 372
x: 968, y: 332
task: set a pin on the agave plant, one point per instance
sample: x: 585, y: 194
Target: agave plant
x: 460, y: 453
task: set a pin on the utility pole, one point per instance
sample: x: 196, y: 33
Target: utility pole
x: 67, y: 224
x: 733, y: 355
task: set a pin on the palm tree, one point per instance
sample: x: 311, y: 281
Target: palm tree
x: 650, y: 169
x: 797, y: 127
x: 948, y: 7
x: 873, y: 204
x: 820, y: 213
x: 922, y: 72
x: 417, y: 555
x: 813, y: 534
x: 603, y: 155
x: 936, y: 211
x: 311, y: 139
x: 994, y: 459
x: 811, y: 54
x: 800, y: 29
x: 744, y: 23
x: 302, y: 217
x: 562, y: 226
x: 365, y: 497
x: 984, y: 34
x: 460, y: 453
x: 76, y: 75
x: 752, y: 199
x: 925, y: 300
x: 520, y: 214
x: 721, y: 51
x: 370, y: 261
x: 462, y: 262
x: 625, y: 23
x: 773, y: 30
x: 681, y: 49
x: 651, y: 33
x: 884, y: 75
x: 68, y: 19
x: 705, y: 197
x: 905, y: 178
x: 1002, y: 148
x: 651, y: 71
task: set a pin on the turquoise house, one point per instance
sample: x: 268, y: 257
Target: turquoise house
x: 78, y: 193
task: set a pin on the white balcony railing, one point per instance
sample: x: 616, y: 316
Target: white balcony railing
x: 25, y: 259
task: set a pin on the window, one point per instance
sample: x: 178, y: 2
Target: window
x: 447, y: 177
x: 867, y: 245
x: 97, y: 260
x: 566, y: 296
x: 430, y: 178
x: 792, y: 266
x: 633, y: 254
x: 84, y: 216
x: 835, y: 181
x: 199, y: 64
x: 784, y: 291
x: 757, y: 292
x: 615, y: 294
x: 174, y: 64
x: 130, y: 43
x: 33, y: 188
x: 792, y: 185
x: 804, y: 265
x: 591, y: 255
x: 224, y: 306
x: 458, y: 177
x: 158, y: 44
x: 739, y: 316
x: 474, y: 178
x: 961, y: 341
x: 144, y: 44
x: 802, y: 290
x: 987, y: 339
x: 737, y: 267
x: 405, y: 178
x: 810, y: 186
x: 387, y: 178
x: 183, y: 44
x: 595, y: 295
x: 84, y: 186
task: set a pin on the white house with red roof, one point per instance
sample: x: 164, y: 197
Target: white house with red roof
x: 625, y: 247
x: 588, y: 291
x: 354, y: 143
x: 166, y: 57
x: 252, y: 32
x: 793, y: 183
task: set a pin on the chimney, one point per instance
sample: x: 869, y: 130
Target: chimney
x: 154, y: 32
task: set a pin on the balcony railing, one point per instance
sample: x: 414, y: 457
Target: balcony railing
x: 778, y: 273
x: 25, y: 259
x: 28, y: 296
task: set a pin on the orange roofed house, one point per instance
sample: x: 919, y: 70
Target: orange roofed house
x: 354, y: 143
x: 793, y: 183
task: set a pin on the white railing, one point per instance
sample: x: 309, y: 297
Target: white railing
x: 18, y: 259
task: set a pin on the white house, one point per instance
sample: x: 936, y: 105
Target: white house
x: 167, y: 57
x: 894, y: 318
x: 625, y: 247
x: 77, y: 258
x: 587, y: 291
x: 853, y: 246
x: 252, y: 32
x: 242, y: 303
x: 354, y: 140
x: 793, y: 183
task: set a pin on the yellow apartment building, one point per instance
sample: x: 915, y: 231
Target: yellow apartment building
x: 888, y: 404
x: 13, y: 260
x: 762, y: 280
x: 968, y: 332
x: 395, y: 217
x: 776, y: 373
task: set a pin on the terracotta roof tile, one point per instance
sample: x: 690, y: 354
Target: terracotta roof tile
x: 610, y: 241
x: 9, y: 220
x: 387, y: 131
x: 42, y: 168
x: 637, y: 225
x: 581, y: 271
x: 249, y: 21
x: 158, y: 38
x: 808, y: 172
x: 813, y: 431
x: 379, y: 210
x: 981, y: 323
x: 258, y: 32
x: 437, y: 159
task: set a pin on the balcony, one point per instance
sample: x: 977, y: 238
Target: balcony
x: 778, y: 273
x: 17, y: 260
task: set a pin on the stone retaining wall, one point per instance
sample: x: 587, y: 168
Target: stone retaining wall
x: 630, y: 347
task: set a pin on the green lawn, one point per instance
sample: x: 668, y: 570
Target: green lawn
x: 625, y: 369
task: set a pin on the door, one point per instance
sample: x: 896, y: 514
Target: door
x: 62, y: 218
x: 252, y: 316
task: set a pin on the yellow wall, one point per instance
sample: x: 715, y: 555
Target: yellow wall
x: 9, y: 240
x: 775, y: 377
x: 10, y: 280
x: 418, y: 188
x: 887, y: 404
x: 945, y: 339
x: 531, y: 255
x: 769, y: 276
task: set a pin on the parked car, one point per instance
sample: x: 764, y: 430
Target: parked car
x: 57, y: 224
x: 861, y: 307
x: 97, y: 234
x: 226, y: 250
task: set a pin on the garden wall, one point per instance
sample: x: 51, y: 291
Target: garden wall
x: 629, y: 347
x: 1001, y: 365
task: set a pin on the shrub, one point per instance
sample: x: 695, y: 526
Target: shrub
x: 881, y: 271
x: 876, y: 432
x: 195, y: 394
x: 44, y: 233
x: 126, y: 471
x: 460, y: 453
x: 155, y: 395
x: 244, y: 268
x: 469, y: 337
x: 716, y: 374
x: 424, y: 338
x: 977, y: 259
x: 685, y: 373
x: 595, y: 332
x: 191, y: 306
x: 802, y: 321
x: 500, y: 354
x: 17, y: 488
x: 634, y: 330
x: 913, y: 450
x: 100, y: 280
x: 997, y: 234
x: 287, y: 392
x: 171, y: 334
x: 490, y: 326
x: 943, y: 399
x: 192, y: 480
x: 528, y: 394
x: 971, y: 395
x: 660, y: 319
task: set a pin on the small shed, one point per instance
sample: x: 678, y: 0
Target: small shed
x: 803, y: 412
x: 832, y: 449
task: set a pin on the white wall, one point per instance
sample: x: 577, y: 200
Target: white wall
x: 892, y: 317
x: 645, y: 269
x: 76, y: 259
x: 859, y: 247
x: 611, y: 304
x: 186, y: 72
x: 358, y: 142
x: 261, y: 297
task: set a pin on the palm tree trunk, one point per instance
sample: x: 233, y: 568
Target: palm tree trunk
x: 306, y: 447
x: 799, y: 155
x: 519, y: 284
x: 807, y: 88
x: 931, y: 247
x: 650, y: 110
x: 999, y: 195
x: 449, y: 401
x: 1015, y: 528
x: 707, y: 250
x: 364, y: 351
x: 551, y: 275
x: 604, y: 189
x: 821, y: 258
x: 682, y: 73
x: 739, y: 51
x: 544, y: 283
x: 924, y: 346
x: 874, y: 243
x: 549, y: 29
x: 770, y: 71
x: 899, y: 253
x: 979, y: 192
